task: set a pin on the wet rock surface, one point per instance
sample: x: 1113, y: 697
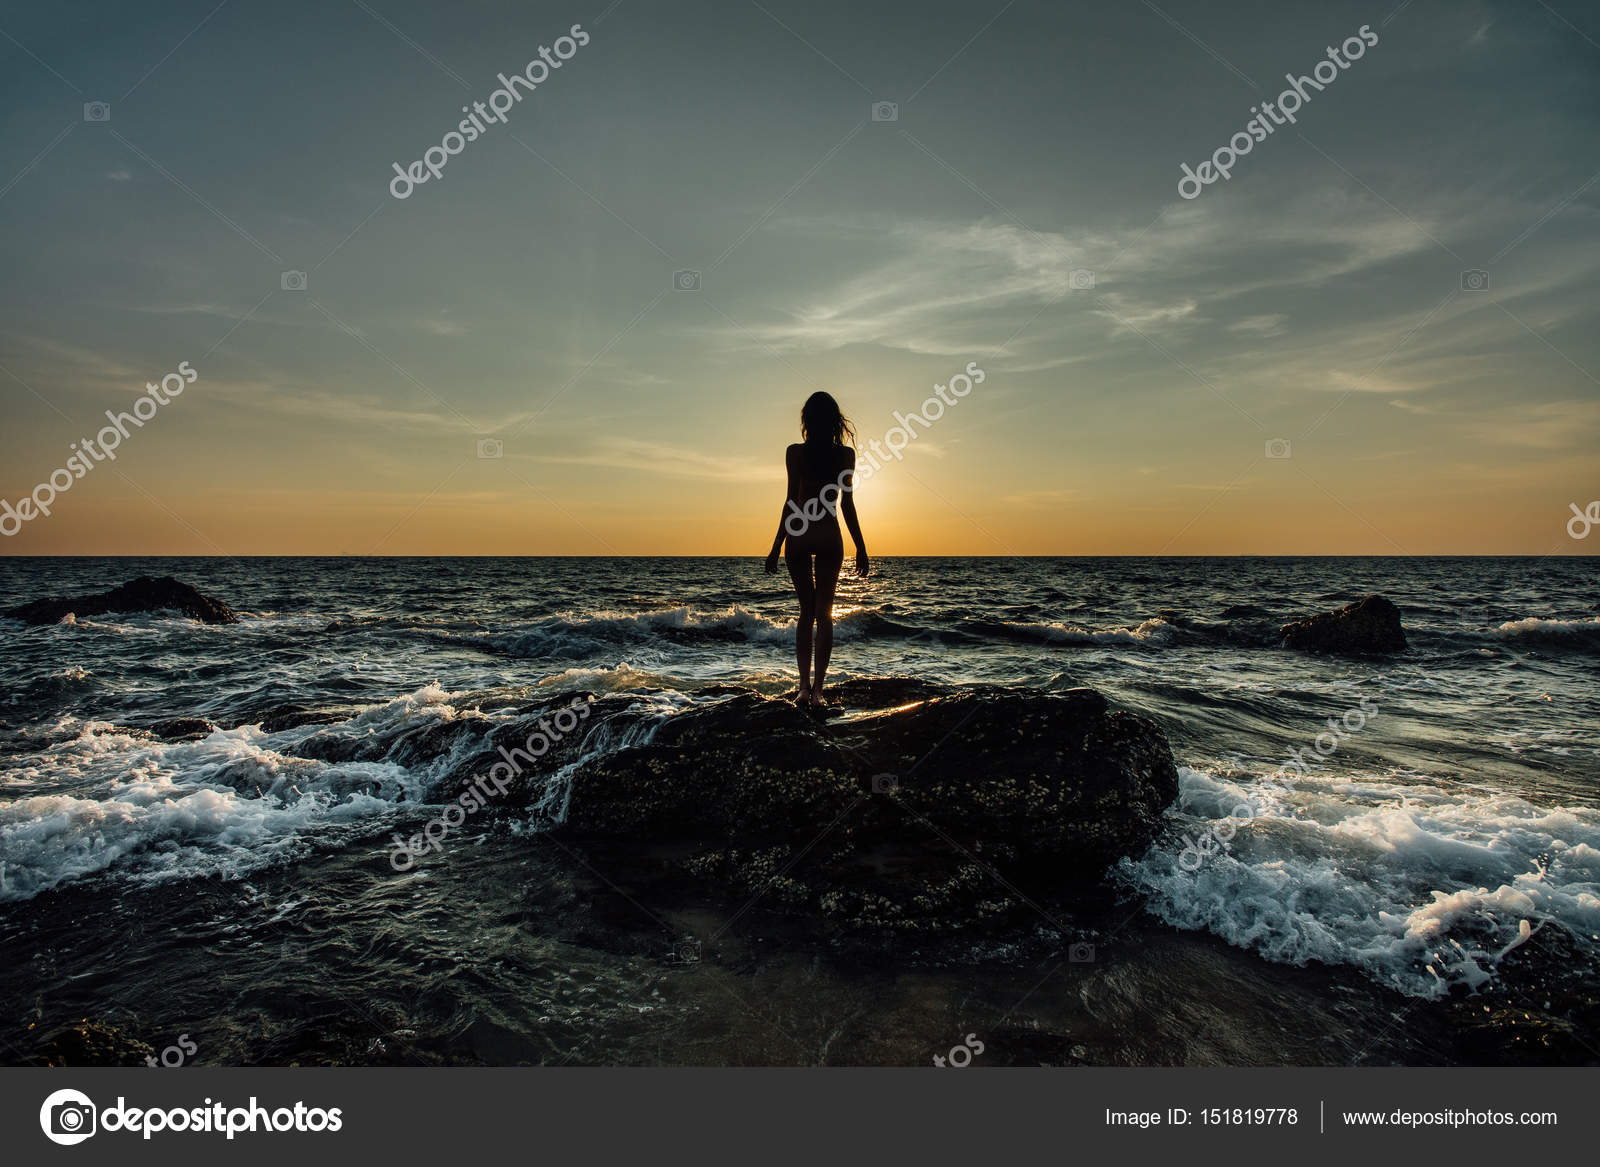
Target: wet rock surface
x: 1370, y: 625
x: 145, y: 594
x: 92, y: 1042
x: 899, y: 816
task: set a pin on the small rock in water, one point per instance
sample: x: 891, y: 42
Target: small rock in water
x: 144, y: 594
x: 1371, y: 625
x: 184, y: 729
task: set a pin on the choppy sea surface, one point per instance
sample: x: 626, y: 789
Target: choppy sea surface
x: 1448, y: 814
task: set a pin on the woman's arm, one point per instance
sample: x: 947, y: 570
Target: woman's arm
x: 791, y: 500
x: 847, y: 503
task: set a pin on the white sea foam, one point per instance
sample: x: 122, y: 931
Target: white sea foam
x: 105, y: 801
x: 1537, y: 627
x: 608, y: 736
x: 110, y: 800
x: 1419, y: 883
x: 1153, y: 631
x: 225, y: 805
x: 619, y: 676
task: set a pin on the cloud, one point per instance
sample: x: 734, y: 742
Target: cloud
x: 1043, y: 499
x: 360, y: 411
x: 1222, y: 486
x: 1554, y: 425
x: 1130, y: 316
x: 617, y: 370
x: 945, y: 288
x: 68, y: 365
x: 1262, y: 326
x: 623, y: 453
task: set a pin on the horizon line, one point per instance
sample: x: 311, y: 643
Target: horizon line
x: 875, y: 558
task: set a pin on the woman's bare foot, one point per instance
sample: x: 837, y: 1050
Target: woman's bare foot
x: 815, y: 700
x: 802, y: 697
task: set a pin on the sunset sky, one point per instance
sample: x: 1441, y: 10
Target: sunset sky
x: 528, y: 295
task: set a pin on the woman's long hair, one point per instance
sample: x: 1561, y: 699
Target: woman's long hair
x: 823, y: 424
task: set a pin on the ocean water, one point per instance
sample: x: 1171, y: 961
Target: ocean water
x: 1450, y: 811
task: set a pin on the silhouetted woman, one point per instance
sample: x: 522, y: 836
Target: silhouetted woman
x: 821, y: 484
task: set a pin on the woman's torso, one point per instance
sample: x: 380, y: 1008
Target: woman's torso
x: 821, y: 471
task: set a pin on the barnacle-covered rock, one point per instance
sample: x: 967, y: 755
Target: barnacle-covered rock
x: 894, y: 816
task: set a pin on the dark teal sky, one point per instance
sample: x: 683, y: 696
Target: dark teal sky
x: 527, y: 296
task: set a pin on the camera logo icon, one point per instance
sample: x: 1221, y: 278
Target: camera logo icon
x: 293, y: 281
x: 96, y: 111
x: 885, y: 111
x: 1475, y: 280
x: 884, y: 784
x: 491, y: 448
x: 1081, y: 953
x: 1277, y: 448
x: 67, y: 1117
x: 686, y: 951
x: 686, y: 281
x: 1080, y: 279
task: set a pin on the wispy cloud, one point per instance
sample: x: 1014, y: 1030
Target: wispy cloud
x: 623, y: 453
x: 1555, y: 425
x: 952, y: 288
x: 1272, y: 324
x: 1043, y: 499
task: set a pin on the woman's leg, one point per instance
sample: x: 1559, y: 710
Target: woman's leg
x: 828, y: 565
x: 805, y: 591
